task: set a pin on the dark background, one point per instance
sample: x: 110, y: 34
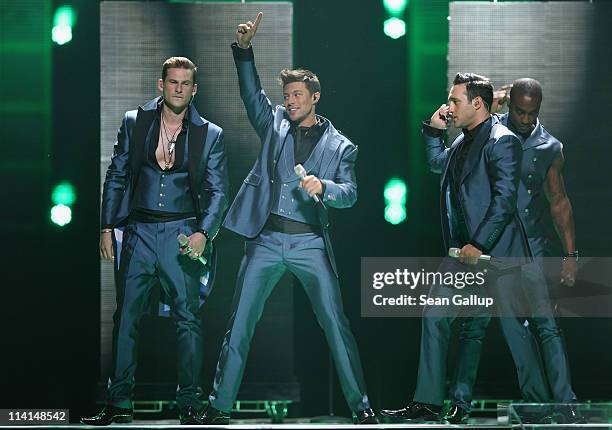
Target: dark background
x: 374, y: 89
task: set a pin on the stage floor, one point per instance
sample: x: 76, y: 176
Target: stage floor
x: 303, y: 424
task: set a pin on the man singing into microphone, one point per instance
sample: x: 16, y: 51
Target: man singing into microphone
x: 286, y: 229
x: 168, y: 176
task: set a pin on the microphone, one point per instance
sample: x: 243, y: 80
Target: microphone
x: 454, y: 253
x: 301, y: 172
x: 184, y: 243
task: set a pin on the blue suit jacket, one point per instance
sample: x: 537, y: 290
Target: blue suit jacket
x: 253, y: 203
x: 207, y: 168
x: 488, y: 190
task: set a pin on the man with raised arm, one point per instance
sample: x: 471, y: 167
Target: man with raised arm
x: 283, y: 215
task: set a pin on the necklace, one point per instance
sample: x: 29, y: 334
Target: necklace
x: 170, y: 143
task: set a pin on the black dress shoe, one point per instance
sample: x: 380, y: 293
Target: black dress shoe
x: 214, y: 416
x: 189, y: 416
x: 456, y: 415
x: 414, y: 411
x: 366, y: 416
x: 568, y: 414
x: 110, y: 414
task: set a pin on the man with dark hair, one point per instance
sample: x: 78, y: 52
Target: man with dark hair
x: 167, y: 176
x: 542, y: 203
x: 283, y: 215
x: 480, y: 175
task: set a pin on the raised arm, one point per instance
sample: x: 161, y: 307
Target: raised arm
x: 433, y: 130
x: 258, y: 107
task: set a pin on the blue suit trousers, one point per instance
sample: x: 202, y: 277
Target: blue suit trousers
x: 150, y: 254
x: 266, y: 259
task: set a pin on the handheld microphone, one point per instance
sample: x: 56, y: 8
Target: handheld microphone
x: 454, y: 253
x: 184, y: 243
x: 301, y: 172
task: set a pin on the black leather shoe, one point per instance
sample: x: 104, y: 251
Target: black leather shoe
x: 110, y: 414
x: 189, y: 416
x: 414, y: 411
x: 568, y: 414
x: 456, y: 415
x: 366, y: 416
x: 214, y: 416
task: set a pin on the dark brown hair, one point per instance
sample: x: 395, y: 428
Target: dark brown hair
x: 476, y: 86
x: 287, y: 76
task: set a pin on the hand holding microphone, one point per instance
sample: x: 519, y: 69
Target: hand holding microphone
x: 311, y: 184
x: 469, y: 254
x: 186, y: 249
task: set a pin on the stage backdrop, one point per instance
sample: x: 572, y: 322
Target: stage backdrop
x: 565, y: 46
x: 136, y: 38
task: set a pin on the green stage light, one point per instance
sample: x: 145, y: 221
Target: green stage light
x: 63, y: 194
x: 395, y: 214
x: 396, y: 193
x: 61, y: 215
x: 394, y: 28
x: 63, y: 21
x: 395, y: 7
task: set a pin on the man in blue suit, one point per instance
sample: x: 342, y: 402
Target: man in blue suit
x: 168, y: 176
x: 283, y: 216
x: 544, y: 207
x: 480, y: 177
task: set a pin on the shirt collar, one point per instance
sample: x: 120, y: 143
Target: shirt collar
x: 471, y: 134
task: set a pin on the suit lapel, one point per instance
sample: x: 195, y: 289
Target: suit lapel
x: 144, y: 119
x: 454, y: 147
x: 536, y: 138
x: 196, y: 137
x: 472, y: 158
x: 318, y: 151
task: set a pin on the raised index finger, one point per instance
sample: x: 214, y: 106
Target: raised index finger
x: 257, y: 21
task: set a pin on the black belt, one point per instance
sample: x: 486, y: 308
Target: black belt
x: 285, y: 225
x: 140, y: 215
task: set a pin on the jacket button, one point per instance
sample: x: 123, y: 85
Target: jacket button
x: 535, y: 159
x: 526, y: 210
x: 529, y: 191
x: 272, y: 180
